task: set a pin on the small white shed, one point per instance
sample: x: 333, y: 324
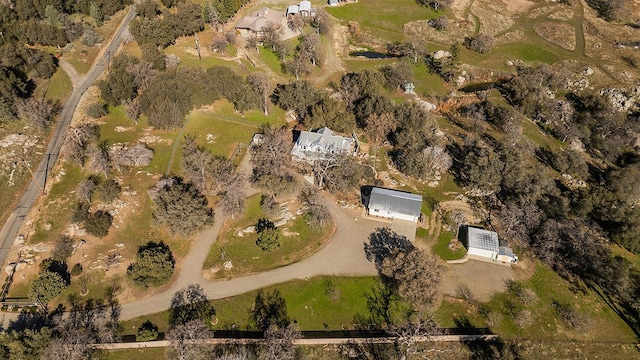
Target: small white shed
x: 484, y: 245
x: 393, y: 204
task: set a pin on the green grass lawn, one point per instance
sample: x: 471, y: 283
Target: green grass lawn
x: 59, y: 86
x: 118, y: 117
x: 307, y: 303
x: 428, y: 84
x: 603, y: 325
x: 58, y: 206
x: 228, y: 127
x: 441, y: 247
x: 270, y: 59
x: 189, y: 57
x: 445, y: 190
x: 499, y: 55
x: 226, y: 134
x: 380, y: 18
x: 248, y: 258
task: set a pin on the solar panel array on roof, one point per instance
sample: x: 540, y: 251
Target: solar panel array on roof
x: 483, y: 239
x: 395, y: 201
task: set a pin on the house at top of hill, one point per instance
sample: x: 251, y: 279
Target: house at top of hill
x: 322, y: 144
x: 484, y: 245
x: 394, y: 204
x: 259, y: 19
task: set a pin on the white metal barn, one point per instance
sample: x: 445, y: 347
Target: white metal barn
x: 484, y: 245
x: 394, y: 204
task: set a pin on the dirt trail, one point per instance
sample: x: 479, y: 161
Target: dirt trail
x: 71, y: 72
x: 332, y: 63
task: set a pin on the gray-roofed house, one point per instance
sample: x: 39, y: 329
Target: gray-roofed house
x: 333, y: 2
x: 321, y: 145
x: 259, y: 19
x: 393, y: 204
x: 484, y: 245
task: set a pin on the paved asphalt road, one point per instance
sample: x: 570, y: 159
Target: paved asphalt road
x: 16, y: 219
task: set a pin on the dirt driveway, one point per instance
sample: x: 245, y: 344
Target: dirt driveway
x: 484, y: 279
x: 405, y: 228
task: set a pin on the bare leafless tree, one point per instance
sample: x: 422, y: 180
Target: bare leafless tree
x: 271, y: 35
x: 132, y: 108
x: 481, y: 43
x: 172, y: 60
x: 219, y: 44
x: 123, y: 156
x: 339, y: 173
x: 188, y: 341
x: 230, y: 36
x: 297, y: 66
x: 233, y: 198
x: 252, y: 42
x: 85, y: 189
x: 271, y: 155
x: 143, y: 73
x: 436, y: 160
x: 205, y: 169
x: 72, y: 343
x: 100, y: 159
x: 279, y: 343
x: 322, y: 21
x: 260, y: 82
x: 212, y: 15
x: 410, y: 334
x: 317, y: 211
x: 296, y: 22
x: 78, y: 141
x: 281, y: 48
x: 37, y: 111
x: 310, y: 48
x: 379, y: 127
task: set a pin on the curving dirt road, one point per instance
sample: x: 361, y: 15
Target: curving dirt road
x: 342, y: 256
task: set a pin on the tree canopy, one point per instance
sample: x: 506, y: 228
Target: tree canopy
x: 46, y: 286
x: 182, y: 208
x: 153, y: 266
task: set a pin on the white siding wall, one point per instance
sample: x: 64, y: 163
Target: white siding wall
x: 391, y: 215
x: 482, y: 253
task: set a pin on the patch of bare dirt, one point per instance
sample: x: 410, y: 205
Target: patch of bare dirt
x: 594, y: 46
x: 563, y: 14
x: 540, y: 11
x: 90, y: 96
x: 558, y: 33
x: 459, y: 7
x: 455, y: 32
x: 510, y: 37
x: 498, y: 16
x: 515, y: 7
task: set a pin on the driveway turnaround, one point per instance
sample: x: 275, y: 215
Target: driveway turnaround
x: 343, y: 255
